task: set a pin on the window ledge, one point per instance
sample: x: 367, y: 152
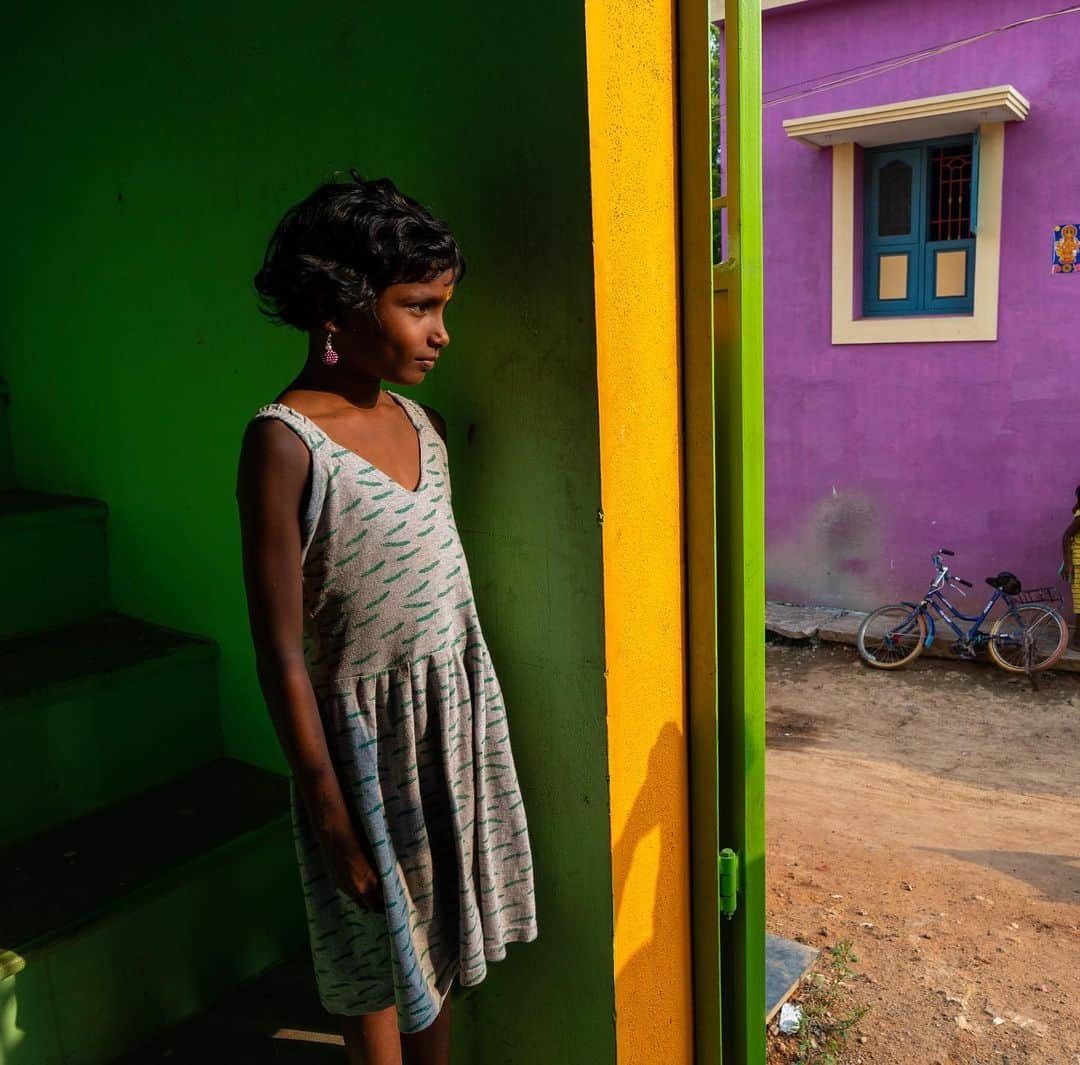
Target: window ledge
x: 911, y: 120
x: 920, y: 329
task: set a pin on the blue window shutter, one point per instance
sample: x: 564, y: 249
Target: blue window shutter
x: 975, y: 182
x: 956, y: 303
x: 903, y: 229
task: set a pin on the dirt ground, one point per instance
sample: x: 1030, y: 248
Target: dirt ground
x: 931, y: 816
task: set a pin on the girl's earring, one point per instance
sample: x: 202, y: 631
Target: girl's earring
x: 330, y: 356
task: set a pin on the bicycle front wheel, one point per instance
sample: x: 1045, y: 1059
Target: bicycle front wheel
x: 1028, y: 638
x: 892, y: 636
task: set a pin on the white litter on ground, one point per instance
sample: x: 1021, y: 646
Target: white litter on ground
x: 790, y: 1018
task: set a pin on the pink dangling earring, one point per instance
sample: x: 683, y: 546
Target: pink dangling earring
x: 330, y: 356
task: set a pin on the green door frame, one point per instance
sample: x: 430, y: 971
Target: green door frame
x: 723, y: 413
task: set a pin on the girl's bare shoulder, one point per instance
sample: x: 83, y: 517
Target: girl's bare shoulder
x: 271, y: 448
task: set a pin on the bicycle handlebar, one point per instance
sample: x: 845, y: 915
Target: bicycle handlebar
x: 944, y: 576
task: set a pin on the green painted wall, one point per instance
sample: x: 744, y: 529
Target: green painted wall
x: 150, y: 152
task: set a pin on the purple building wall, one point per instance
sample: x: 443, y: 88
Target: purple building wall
x: 878, y: 454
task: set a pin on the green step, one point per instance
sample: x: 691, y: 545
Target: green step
x: 7, y: 456
x: 56, y: 569
x: 98, y: 711
x: 275, y: 1018
x: 127, y: 921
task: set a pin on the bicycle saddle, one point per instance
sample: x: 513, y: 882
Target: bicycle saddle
x: 1006, y: 582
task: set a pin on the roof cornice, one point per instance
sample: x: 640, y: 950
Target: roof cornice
x: 930, y: 116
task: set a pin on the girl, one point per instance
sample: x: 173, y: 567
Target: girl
x: 410, y: 830
x: 1070, y: 554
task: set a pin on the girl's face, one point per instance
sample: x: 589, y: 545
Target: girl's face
x: 409, y: 333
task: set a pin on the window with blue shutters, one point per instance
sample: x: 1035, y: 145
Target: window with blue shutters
x: 919, y: 227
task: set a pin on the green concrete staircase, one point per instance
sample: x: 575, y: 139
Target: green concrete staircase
x: 7, y: 456
x: 143, y: 874
x: 272, y: 1020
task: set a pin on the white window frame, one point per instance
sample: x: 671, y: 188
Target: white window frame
x: 937, y: 116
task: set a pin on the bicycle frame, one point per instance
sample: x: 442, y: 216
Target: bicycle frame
x: 935, y: 599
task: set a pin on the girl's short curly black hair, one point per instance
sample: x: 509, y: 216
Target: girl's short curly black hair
x: 346, y: 243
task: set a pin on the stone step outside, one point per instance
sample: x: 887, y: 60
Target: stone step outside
x: 786, y: 963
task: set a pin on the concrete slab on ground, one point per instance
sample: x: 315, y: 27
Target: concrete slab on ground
x: 800, y: 622
x: 786, y: 963
x: 836, y: 625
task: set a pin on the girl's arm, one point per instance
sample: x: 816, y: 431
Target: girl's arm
x: 273, y: 474
x: 1066, y: 547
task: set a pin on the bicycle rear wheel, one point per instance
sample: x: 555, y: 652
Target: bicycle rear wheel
x: 892, y: 636
x: 1028, y: 638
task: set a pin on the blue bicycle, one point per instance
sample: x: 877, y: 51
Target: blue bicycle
x: 1029, y: 637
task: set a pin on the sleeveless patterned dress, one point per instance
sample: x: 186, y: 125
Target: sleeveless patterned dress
x: 418, y: 734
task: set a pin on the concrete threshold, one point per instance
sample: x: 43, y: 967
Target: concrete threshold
x: 837, y: 625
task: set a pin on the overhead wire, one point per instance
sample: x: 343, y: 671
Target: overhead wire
x: 853, y: 75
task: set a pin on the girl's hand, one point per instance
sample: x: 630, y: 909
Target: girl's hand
x: 351, y: 869
x: 347, y: 855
